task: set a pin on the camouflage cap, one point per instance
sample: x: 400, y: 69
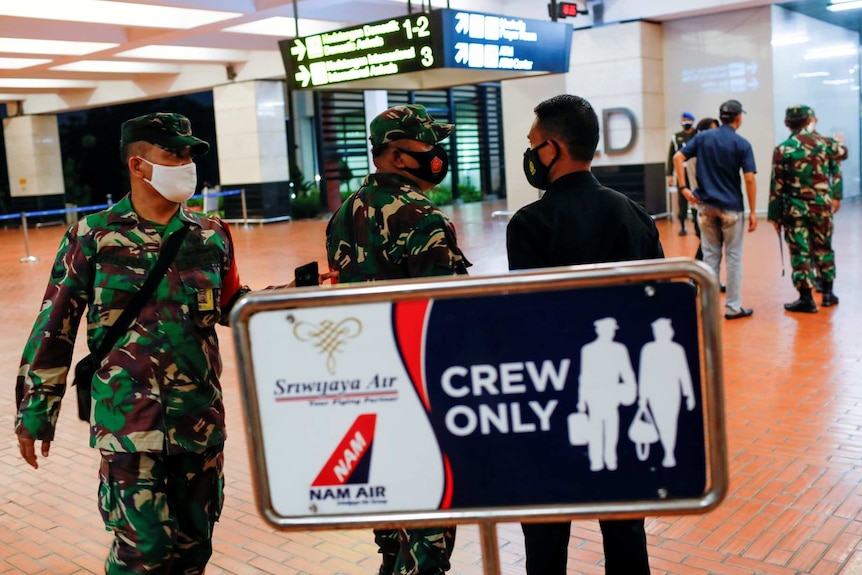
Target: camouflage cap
x: 798, y: 112
x: 172, y: 132
x: 409, y: 122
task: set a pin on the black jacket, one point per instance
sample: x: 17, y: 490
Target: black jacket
x: 579, y: 221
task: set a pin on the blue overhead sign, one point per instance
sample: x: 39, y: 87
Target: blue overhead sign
x: 491, y: 42
x: 455, y: 39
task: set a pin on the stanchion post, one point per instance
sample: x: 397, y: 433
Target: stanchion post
x: 490, y: 548
x: 28, y: 257
x: 109, y: 201
x: 244, y: 208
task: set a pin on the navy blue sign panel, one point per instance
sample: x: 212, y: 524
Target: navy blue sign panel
x: 501, y: 405
x: 493, y: 42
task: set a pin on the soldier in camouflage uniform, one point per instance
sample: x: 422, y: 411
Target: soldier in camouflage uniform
x: 805, y: 174
x: 157, y: 415
x: 840, y: 153
x: 389, y: 229
x: 680, y: 139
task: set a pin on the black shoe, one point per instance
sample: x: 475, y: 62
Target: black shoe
x: 739, y: 314
x: 829, y: 299
x: 818, y: 285
x: 722, y: 288
x: 682, y: 232
x: 804, y: 305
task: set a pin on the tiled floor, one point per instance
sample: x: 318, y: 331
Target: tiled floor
x: 793, y: 400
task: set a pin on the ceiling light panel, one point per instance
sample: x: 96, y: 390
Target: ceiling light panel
x: 117, y: 67
x: 284, y: 27
x: 21, y: 63
x: 44, y: 83
x: 58, y: 47
x: 188, y: 53
x: 119, y: 13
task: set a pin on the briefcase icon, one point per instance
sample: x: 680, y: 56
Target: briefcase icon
x: 579, y: 424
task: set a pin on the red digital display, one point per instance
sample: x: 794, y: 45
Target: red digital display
x: 567, y: 9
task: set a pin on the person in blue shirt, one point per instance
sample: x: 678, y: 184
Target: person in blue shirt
x: 721, y: 155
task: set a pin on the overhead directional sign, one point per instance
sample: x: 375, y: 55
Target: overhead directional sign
x: 428, y: 41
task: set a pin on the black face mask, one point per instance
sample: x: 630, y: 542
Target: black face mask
x: 534, y: 169
x: 687, y: 125
x: 433, y: 164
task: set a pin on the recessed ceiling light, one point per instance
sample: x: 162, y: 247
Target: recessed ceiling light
x: 44, y: 83
x: 20, y: 63
x: 118, y: 67
x: 845, y: 5
x: 121, y: 13
x: 834, y: 51
x: 58, y: 47
x: 185, y: 53
x: 284, y: 27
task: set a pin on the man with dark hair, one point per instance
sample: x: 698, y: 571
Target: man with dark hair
x: 157, y: 414
x: 804, y: 173
x: 678, y: 142
x: 577, y: 221
x: 389, y: 229
x: 721, y: 154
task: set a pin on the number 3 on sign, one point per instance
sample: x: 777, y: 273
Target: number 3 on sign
x: 427, y: 56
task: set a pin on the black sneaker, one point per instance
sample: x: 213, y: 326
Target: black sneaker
x: 741, y: 313
x: 802, y: 305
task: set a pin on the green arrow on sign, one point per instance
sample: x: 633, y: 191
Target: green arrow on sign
x: 298, y: 50
x: 303, y: 76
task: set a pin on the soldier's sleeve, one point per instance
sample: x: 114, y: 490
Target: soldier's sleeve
x: 776, y: 186
x: 430, y: 248
x: 48, y: 351
x: 835, y: 172
x: 231, y: 286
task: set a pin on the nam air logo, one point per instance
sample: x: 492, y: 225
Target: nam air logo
x: 344, y: 478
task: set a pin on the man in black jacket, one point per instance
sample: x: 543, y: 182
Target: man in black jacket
x: 577, y: 221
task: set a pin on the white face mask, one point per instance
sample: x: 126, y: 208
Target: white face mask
x: 175, y: 183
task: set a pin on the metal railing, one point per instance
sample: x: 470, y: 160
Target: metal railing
x: 97, y: 207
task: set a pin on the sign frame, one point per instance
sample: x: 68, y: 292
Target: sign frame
x: 599, y: 275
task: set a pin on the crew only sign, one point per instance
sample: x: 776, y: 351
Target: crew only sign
x: 556, y: 397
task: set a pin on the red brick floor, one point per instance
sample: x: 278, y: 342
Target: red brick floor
x: 793, y: 401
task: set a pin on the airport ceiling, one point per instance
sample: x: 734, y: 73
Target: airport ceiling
x: 58, y: 55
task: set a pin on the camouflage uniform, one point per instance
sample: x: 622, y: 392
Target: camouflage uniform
x: 805, y: 174
x: 389, y: 229
x: 680, y: 139
x: 157, y: 415
x: 386, y: 230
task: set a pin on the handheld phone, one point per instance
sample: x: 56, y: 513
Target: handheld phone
x: 306, y: 275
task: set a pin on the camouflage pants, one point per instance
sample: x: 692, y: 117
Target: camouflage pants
x: 162, y: 509
x: 809, y: 239
x: 415, y: 551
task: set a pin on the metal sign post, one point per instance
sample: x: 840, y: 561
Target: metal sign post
x: 582, y: 392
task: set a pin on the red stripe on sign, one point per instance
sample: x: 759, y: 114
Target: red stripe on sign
x: 353, y: 447
x: 449, y: 487
x: 409, y: 328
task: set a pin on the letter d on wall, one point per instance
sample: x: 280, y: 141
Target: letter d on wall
x: 607, y: 114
